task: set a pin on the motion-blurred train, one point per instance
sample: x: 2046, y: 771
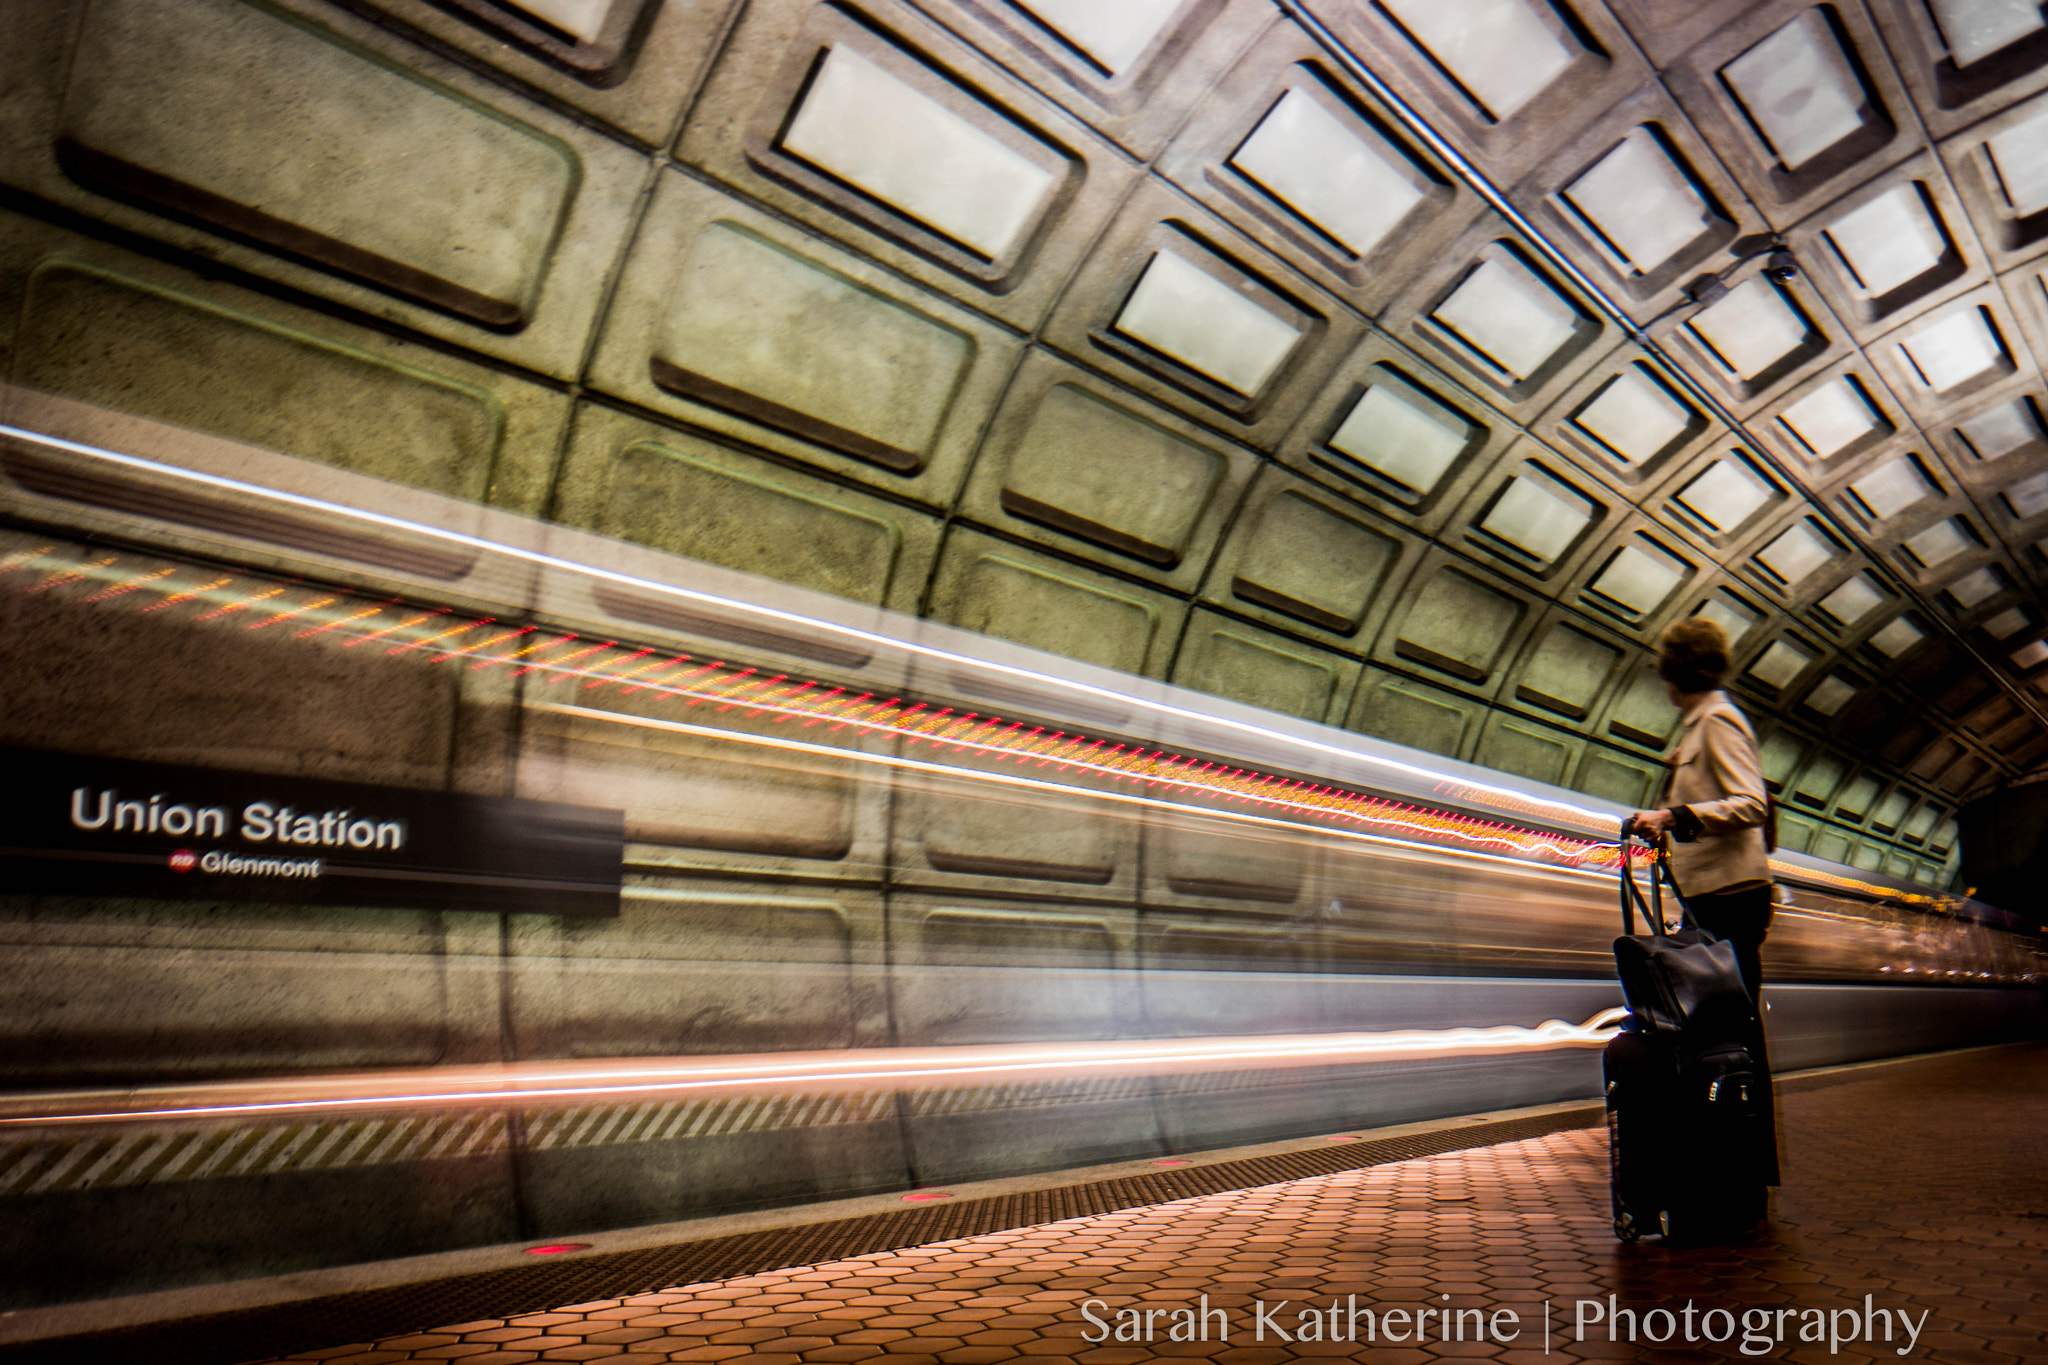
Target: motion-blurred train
x: 843, y: 830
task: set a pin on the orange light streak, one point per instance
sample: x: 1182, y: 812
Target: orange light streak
x: 641, y: 1080
x: 726, y: 687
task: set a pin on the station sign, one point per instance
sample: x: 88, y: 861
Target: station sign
x: 77, y: 826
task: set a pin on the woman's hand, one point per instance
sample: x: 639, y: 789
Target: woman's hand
x: 1651, y: 823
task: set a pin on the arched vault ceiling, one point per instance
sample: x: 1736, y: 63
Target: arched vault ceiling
x: 1403, y: 365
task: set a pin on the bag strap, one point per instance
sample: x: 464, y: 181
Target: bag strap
x: 1632, y: 895
x: 1652, y: 905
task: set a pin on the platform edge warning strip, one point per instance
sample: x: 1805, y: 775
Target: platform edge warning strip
x: 373, y: 1314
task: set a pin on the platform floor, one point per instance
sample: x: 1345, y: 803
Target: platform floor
x: 1916, y: 1199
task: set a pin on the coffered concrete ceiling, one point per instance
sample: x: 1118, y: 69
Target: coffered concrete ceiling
x: 1404, y: 366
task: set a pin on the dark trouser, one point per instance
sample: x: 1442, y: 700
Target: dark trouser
x: 1742, y: 918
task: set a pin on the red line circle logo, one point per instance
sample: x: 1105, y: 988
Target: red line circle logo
x: 184, y: 860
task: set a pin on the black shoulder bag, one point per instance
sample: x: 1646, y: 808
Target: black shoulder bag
x: 1675, y: 981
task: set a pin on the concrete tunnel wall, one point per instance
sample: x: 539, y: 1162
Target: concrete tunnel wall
x: 588, y: 280
x: 434, y: 244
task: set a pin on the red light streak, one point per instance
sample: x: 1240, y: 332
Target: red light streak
x: 532, y: 1085
x: 675, y: 677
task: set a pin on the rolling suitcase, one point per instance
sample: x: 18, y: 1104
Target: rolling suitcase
x: 1688, y: 1122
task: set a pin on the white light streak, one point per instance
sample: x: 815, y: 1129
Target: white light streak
x: 642, y: 1080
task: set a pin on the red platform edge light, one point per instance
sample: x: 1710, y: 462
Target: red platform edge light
x: 926, y: 1196
x: 1172, y: 1163
x: 557, y: 1248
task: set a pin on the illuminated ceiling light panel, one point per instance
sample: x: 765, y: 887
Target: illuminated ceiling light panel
x: 1752, y: 329
x: 1829, y: 419
x: 1780, y: 664
x: 1498, y: 50
x: 1799, y: 89
x: 1975, y: 587
x: 2006, y: 624
x: 1538, y: 515
x: 1735, y: 622
x: 1974, y: 29
x: 1831, y: 694
x: 1889, y: 241
x: 1726, y: 494
x: 1853, y: 601
x: 2020, y: 156
x: 2030, y: 656
x: 1350, y: 190
x: 1634, y: 416
x: 1940, y: 543
x: 1403, y: 435
x: 1510, y: 316
x: 1951, y: 351
x: 582, y: 18
x: 1113, y: 35
x: 1640, y: 202
x: 1897, y: 639
x: 1799, y: 552
x: 2029, y: 497
x: 1189, y: 314
x: 2002, y: 430
x: 1892, y: 487
x: 907, y: 149
x: 1640, y: 578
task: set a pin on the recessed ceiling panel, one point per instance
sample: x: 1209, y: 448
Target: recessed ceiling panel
x: 1898, y: 639
x: 1831, y: 418
x: 1940, y: 543
x: 1346, y: 187
x: 1735, y: 620
x: 2006, y: 624
x: 1402, y: 434
x: 2001, y: 430
x: 1538, y: 515
x: 879, y: 134
x: 1726, y: 494
x: 1641, y: 578
x: 1799, y: 89
x: 1954, y: 350
x: 1892, y: 488
x: 1507, y: 314
x: 1752, y: 329
x: 1890, y: 241
x: 2019, y: 159
x: 583, y: 19
x: 2029, y: 497
x: 1188, y: 314
x: 1974, y: 29
x: 1853, y: 601
x: 1110, y: 35
x: 1980, y: 585
x: 1498, y: 51
x: 1634, y: 416
x: 1640, y: 205
x: 1781, y: 664
x: 1798, y: 553
x: 1830, y: 694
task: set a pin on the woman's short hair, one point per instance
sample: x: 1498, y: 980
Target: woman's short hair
x: 1692, y: 655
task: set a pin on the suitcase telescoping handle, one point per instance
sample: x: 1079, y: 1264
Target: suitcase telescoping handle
x: 1632, y: 895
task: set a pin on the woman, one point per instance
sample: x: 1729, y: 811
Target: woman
x: 1715, y: 806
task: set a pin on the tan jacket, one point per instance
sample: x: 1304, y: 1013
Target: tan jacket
x: 1716, y: 773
